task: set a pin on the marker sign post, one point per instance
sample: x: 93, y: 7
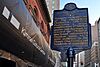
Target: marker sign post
x: 71, y: 31
x: 71, y: 28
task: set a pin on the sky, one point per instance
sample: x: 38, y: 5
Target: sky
x: 92, y: 5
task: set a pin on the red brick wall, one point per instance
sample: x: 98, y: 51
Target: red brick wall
x: 39, y: 16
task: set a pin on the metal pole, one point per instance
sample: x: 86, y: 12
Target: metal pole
x: 70, y: 62
x: 71, y: 56
x: 77, y: 60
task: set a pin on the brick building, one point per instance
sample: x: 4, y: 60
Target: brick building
x: 25, y: 31
x: 39, y: 12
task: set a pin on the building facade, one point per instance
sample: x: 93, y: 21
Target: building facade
x: 96, y: 39
x: 25, y: 33
x: 55, y: 4
x: 40, y: 13
x: 98, y: 23
x: 52, y: 5
x: 95, y: 46
x: 87, y: 58
x: 94, y: 32
x: 94, y: 54
x: 98, y: 26
x: 49, y: 6
x: 79, y: 59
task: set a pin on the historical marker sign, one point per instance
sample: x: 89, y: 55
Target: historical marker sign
x: 70, y: 28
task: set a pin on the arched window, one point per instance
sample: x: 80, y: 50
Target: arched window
x: 36, y: 11
x: 42, y: 25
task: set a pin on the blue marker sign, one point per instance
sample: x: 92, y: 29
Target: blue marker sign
x: 70, y: 28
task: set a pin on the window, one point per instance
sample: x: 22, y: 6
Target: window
x: 15, y: 22
x: 36, y: 11
x: 42, y: 25
x: 7, y: 63
x: 6, y: 12
x: 26, y: 2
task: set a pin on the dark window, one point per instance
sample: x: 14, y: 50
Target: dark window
x: 29, y: 66
x: 42, y: 25
x: 7, y: 63
x: 26, y: 2
x: 36, y: 11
